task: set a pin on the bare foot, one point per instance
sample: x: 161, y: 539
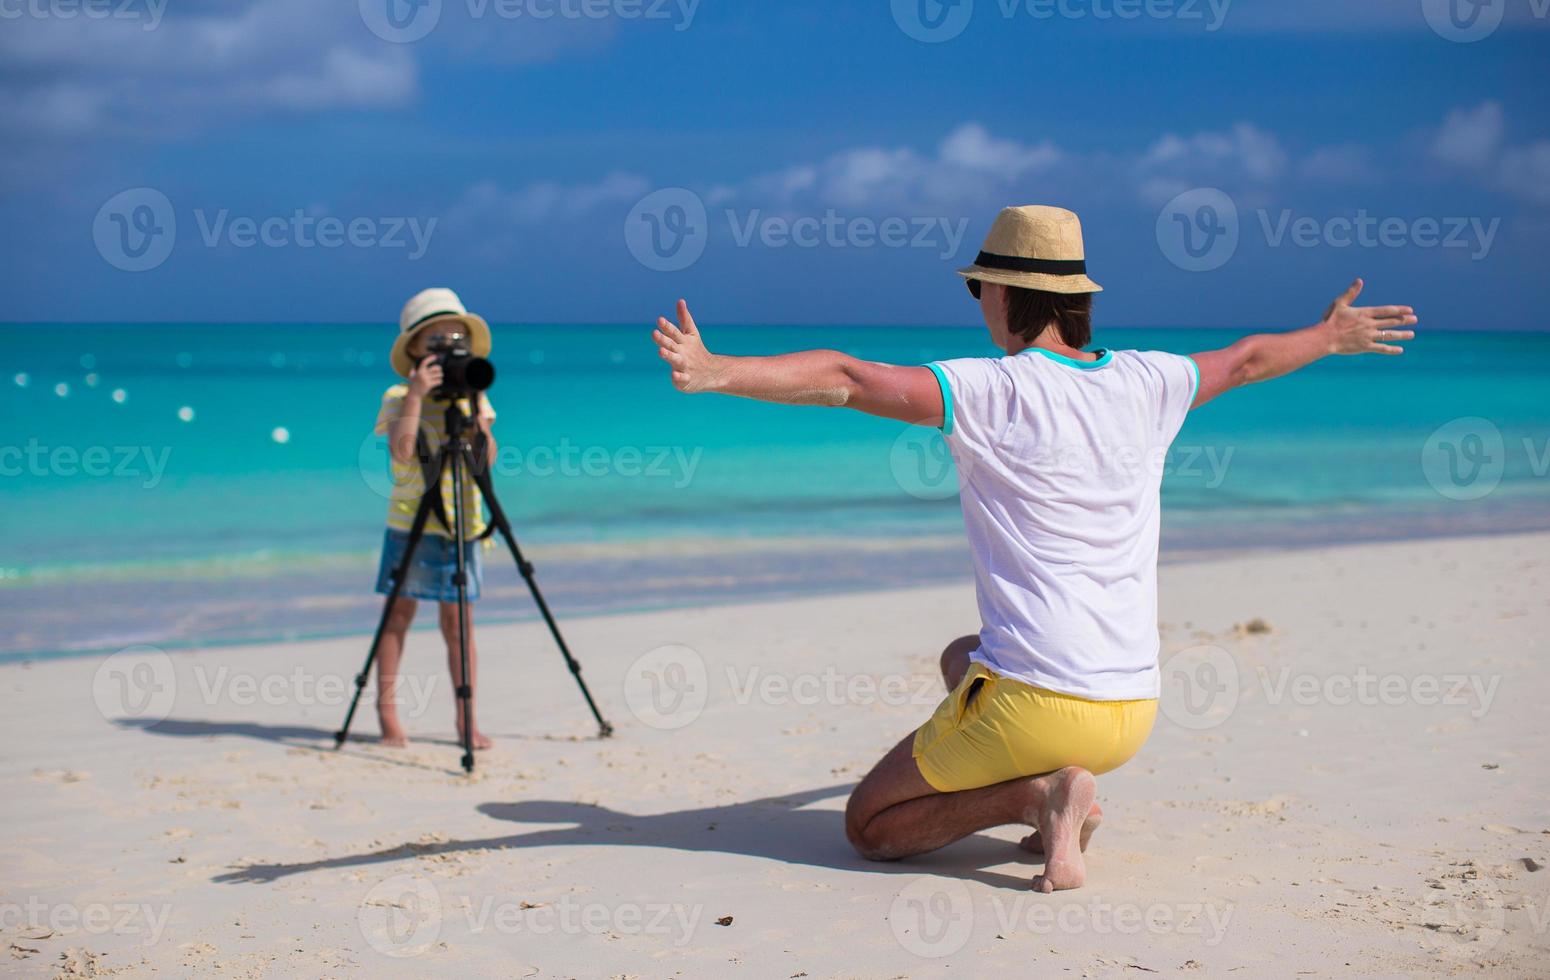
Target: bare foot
x: 480, y: 741
x: 1034, y: 844
x: 393, y: 734
x: 1067, y: 802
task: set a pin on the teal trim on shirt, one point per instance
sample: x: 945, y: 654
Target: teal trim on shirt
x: 947, y: 398
x: 1196, y: 393
x: 1104, y: 357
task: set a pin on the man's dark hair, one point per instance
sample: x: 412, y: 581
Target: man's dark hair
x: 1029, y: 312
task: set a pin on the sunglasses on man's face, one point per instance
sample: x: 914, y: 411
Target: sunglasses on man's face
x: 974, y: 287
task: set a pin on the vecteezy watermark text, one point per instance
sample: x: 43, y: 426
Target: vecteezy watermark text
x: 1202, y: 687
x: 936, y: 21
x: 1200, y: 230
x: 936, y: 917
x: 135, y: 230
x: 668, y: 230
x: 302, y: 230
x: 404, y: 915
x: 90, y: 918
x: 148, y: 11
x: 144, y: 463
x: 565, y: 459
x: 407, y: 21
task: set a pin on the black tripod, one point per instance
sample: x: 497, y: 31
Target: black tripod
x: 465, y: 460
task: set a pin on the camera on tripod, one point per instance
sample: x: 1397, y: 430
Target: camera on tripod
x: 462, y: 372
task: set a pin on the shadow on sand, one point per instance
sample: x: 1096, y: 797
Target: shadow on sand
x: 320, y: 739
x: 778, y: 828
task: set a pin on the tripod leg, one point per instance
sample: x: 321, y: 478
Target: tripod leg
x: 465, y: 687
x: 498, y: 518
x: 416, y: 531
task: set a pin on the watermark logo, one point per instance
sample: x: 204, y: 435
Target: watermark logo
x: 1199, y: 687
x: 1364, y: 230
x: 1473, y: 692
x: 922, y: 464
x: 667, y: 230
x: 936, y: 21
x: 401, y: 917
x: 92, y: 918
x: 1464, y: 459
x: 145, y: 464
x: 565, y: 459
x: 1198, y: 230
x: 1463, y: 915
x: 932, y: 917
x: 932, y: 21
x: 149, y: 11
x: 136, y: 229
x: 667, y: 687
x: 401, y: 21
x: 137, y: 682
x: 1464, y: 21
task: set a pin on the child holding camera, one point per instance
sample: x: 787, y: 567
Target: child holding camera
x: 410, y: 410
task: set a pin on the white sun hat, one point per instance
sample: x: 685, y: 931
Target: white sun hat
x: 433, y: 306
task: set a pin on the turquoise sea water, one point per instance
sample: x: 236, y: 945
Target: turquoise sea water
x: 125, y: 523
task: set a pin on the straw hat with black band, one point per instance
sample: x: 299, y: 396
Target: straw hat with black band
x: 433, y: 306
x: 1035, y: 247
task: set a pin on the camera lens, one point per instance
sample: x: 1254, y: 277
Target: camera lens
x: 477, y: 373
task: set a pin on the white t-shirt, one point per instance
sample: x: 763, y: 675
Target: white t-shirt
x: 1059, y: 466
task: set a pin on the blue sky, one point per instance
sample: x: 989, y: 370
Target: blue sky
x: 831, y: 162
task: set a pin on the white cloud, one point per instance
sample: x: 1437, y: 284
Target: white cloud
x: 488, y: 203
x: 79, y: 77
x: 1525, y: 172
x: 1473, y: 143
x: 973, y: 169
x: 1349, y: 163
x: 1470, y: 138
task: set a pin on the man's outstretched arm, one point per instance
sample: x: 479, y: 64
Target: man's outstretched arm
x: 1345, y: 329
x: 813, y: 377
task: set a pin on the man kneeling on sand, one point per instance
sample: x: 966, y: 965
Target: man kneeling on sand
x: 1055, y: 447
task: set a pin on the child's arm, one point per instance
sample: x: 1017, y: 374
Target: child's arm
x: 814, y: 377
x: 1344, y: 330
x: 424, y: 379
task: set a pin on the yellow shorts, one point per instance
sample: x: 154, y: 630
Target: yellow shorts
x: 993, y: 728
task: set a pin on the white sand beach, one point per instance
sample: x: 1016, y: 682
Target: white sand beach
x: 1348, y: 778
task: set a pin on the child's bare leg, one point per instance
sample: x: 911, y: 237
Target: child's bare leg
x: 390, y: 653
x: 455, y: 666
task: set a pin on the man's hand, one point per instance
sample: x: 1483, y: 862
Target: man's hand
x: 1366, y: 329
x: 694, y: 368
x: 810, y: 377
x: 425, y: 378
x: 1345, y: 329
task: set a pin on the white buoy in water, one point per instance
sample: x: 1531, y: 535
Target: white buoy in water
x: 186, y: 413
x: 62, y: 389
x: 21, y: 379
x: 120, y: 395
x: 281, y: 434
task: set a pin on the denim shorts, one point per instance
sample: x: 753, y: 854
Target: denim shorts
x: 431, y: 571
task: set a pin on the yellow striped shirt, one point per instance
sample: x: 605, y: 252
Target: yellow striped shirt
x: 408, y: 481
